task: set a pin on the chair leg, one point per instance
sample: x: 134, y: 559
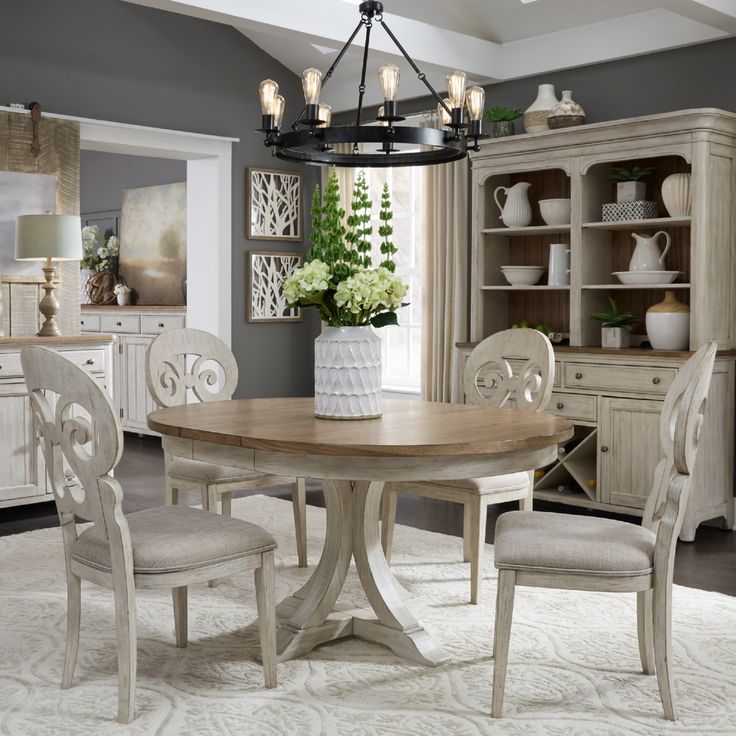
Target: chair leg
x: 171, y: 493
x: 466, y: 533
x: 388, y: 519
x: 73, y: 613
x: 227, y: 503
x: 527, y: 503
x: 265, y: 598
x: 299, y: 505
x: 204, y: 496
x: 478, y: 514
x: 125, y: 630
x: 212, y: 499
x: 644, y: 631
x: 181, y: 617
x: 662, y: 625
x: 501, y: 637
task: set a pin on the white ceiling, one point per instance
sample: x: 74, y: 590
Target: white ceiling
x: 491, y: 40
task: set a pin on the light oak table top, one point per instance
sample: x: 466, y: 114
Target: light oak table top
x: 406, y: 429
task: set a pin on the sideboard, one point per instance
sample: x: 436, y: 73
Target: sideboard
x: 135, y: 328
x: 615, y: 396
x: 22, y: 469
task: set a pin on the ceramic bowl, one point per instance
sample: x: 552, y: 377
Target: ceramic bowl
x: 646, y: 277
x: 555, y: 211
x: 522, y: 275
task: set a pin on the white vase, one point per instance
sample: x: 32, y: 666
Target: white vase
x: 676, y: 195
x: 347, y: 373
x: 668, y: 324
x: 535, y: 116
x: 84, y: 275
x: 123, y: 299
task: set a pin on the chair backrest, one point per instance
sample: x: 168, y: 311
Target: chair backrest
x: 511, y: 368
x: 183, y: 359
x: 76, y: 421
x: 680, y: 425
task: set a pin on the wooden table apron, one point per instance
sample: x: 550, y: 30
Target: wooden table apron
x: 353, y: 485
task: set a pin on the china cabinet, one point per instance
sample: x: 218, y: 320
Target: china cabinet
x: 615, y: 396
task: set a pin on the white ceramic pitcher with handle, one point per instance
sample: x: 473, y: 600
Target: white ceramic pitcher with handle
x: 646, y: 255
x: 516, y: 212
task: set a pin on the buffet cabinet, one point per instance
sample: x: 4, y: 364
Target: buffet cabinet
x: 22, y: 469
x: 135, y: 328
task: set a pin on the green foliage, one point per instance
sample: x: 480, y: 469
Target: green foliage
x: 635, y: 174
x: 384, y: 319
x: 358, y: 236
x: 613, y: 318
x: 386, y: 230
x: 546, y: 330
x: 501, y: 114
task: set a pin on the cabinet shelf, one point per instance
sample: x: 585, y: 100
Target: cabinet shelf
x: 537, y: 287
x: 622, y: 287
x: 658, y: 222
x: 530, y: 230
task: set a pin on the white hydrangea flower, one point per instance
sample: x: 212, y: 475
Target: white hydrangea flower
x: 90, y: 236
x: 113, y: 245
x: 102, y: 252
x: 311, y: 278
x: 371, y: 291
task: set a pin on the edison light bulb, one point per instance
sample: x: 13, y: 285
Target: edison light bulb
x: 311, y: 84
x: 456, y: 88
x: 278, y: 112
x: 268, y: 90
x: 325, y: 114
x: 475, y: 99
x: 388, y: 76
x: 443, y: 117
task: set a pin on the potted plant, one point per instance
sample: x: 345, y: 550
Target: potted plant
x: 502, y: 119
x: 629, y: 184
x: 122, y: 292
x: 615, y: 326
x: 352, y: 297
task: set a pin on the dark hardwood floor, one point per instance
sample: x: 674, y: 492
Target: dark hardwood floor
x: 708, y: 563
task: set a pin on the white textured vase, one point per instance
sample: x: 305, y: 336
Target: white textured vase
x: 535, y: 116
x: 347, y: 373
x: 676, y: 195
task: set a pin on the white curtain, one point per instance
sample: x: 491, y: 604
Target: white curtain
x: 444, y: 279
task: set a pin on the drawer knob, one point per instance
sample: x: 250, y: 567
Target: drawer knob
x: 90, y: 361
x: 560, y: 405
x: 656, y: 381
x: 81, y: 322
x: 160, y: 324
x: 578, y: 376
x: 119, y: 324
x: 604, y: 448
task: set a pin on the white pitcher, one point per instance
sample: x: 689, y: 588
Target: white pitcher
x: 646, y: 255
x: 559, y: 265
x: 517, y: 212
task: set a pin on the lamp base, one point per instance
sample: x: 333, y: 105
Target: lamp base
x: 49, y: 304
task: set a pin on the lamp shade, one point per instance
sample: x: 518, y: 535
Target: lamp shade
x: 38, y: 237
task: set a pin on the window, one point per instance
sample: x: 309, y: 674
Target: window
x: 402, y: 345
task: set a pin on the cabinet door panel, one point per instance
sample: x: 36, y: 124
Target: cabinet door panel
x: 137, y: 402
x: 629, y: 450
x: 19, y: 470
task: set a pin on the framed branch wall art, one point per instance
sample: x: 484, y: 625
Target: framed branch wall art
x: 274, y: 204
x: 266, y: 301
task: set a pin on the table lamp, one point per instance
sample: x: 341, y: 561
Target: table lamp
x: 48, y: 238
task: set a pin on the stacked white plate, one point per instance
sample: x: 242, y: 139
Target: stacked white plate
x: 634, y: 278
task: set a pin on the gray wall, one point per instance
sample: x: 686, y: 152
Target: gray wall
x: 111, y: 60
x: 694, y: 76
x: 104, y: 176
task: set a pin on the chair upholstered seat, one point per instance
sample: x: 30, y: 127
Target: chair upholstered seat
x: 571, y: 543
x: 489, y: 484
x: 204, y: 472
x: 176, y: 538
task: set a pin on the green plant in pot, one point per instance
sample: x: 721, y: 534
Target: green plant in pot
x: 615, y: 326
x: 502, y: 119
x: 352, y: 296
x: 629, y: 184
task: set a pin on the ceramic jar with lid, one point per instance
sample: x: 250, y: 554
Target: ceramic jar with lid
x: 668, y: 324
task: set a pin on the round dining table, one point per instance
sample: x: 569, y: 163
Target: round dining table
x: 411, y: 441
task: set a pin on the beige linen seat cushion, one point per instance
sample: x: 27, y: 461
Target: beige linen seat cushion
x: 197, y: 470
x: 569, y: 543
x: 490, y: 484
x: 176, y: 538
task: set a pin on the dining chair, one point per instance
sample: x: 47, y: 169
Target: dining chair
x: 512, y: 369
x: 182, y: 360
x: 551, y: 550
x: 165, y: 547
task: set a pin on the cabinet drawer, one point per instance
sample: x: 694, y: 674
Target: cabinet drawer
x: 10, y: 366
x: 627, y: 378
x: 128, y: 323
x: 153, y: 324
x: 92, y: 360
x: 573, y: 406
x: 90, y: 322
x: 558, y: 375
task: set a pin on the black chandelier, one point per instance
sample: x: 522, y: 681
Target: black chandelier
x: 315, y: 142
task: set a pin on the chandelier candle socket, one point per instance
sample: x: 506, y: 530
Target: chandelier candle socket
x: 387, y: 144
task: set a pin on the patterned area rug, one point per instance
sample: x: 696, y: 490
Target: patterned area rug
x: 573, y: 667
